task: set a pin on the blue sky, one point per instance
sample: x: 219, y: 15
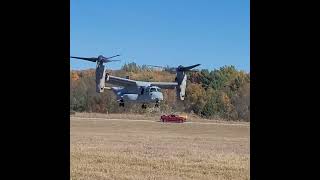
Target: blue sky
x: 162, y: 32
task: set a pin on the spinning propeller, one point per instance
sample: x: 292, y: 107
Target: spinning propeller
x: 177, y: 69
x: 99, y: 59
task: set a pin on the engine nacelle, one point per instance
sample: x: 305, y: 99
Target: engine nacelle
x: 100, y: 78
x: 182, y: 83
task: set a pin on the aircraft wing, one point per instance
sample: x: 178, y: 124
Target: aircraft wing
x: 128, y: 82
x: 120, y: 81
x: 164, y: 85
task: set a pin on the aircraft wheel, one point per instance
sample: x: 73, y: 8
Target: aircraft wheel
x: 121, y: 104
x: 157, y: 104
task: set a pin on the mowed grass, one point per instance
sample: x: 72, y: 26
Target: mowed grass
x: 112, y: 149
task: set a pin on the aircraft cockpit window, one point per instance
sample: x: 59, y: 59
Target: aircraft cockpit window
x: 153, y: 90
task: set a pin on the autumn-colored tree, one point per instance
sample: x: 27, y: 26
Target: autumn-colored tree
x: 195, y: 97
x: 241, y: 102
x: 222, y: 93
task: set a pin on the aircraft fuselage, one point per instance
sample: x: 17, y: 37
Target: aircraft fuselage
x: 142, y: 94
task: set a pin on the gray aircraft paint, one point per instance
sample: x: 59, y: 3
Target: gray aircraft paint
x: 137, y: 91
x: 134, y: 94
x: 100, y: 77
x: 182, y: 83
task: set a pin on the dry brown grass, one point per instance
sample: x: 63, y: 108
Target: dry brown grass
x: 116, y: 116
x: 111, y: 149
x: 152, y: 116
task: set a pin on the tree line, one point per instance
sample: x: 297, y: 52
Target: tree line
x: 220, y: 93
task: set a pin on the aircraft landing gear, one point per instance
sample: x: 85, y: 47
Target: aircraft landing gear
x: 121, y: 104
x: 157, y: 104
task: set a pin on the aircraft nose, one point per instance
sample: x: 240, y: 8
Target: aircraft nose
x: 157, y: 95
x: 160, y: 96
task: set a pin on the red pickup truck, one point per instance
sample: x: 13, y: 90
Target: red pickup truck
x: 173, y: 118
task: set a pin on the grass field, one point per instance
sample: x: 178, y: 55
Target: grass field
x: 139, y: 147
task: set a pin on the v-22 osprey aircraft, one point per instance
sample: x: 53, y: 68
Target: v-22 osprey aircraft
x: 132, y: 91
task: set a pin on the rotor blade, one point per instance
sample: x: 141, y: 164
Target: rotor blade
x: 112, y: 56
x: 87, y: 59
x: 107, y: 60
x: 157, y: 66
x: 189, y: 67
x: 166, y: 68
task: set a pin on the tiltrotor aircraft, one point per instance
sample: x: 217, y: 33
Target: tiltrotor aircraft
x: 128, y: 90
